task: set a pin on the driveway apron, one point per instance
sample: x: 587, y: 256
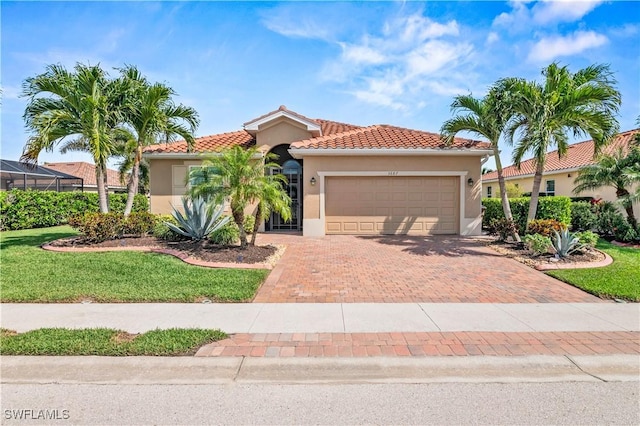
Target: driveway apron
x: 442, y: 269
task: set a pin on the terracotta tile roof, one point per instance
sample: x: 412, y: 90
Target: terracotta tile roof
x: 209, y: 143
x: 578, y: 155
x: 87, y: 172
x: 334, y: 135
x: 385, y: 136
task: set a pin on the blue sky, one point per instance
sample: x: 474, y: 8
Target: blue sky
x: 364, y: 63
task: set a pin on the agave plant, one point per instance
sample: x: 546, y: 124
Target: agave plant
x: 198, y: 220
x: 565, y: 243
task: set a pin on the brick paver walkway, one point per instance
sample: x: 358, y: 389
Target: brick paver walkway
x: 424, y: 344
x: 345, y: 268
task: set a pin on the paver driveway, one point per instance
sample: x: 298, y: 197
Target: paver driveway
x: 347, y: 268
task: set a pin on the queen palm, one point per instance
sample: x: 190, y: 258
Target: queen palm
x: 485, y: 117
x: 237, y: 175
x: 151, y: 115
x: 584, y: 103
x: 81, y: 105
x: 619, y: 170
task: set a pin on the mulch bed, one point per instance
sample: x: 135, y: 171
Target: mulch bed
x: 524, y: 255
x: 203, y: 250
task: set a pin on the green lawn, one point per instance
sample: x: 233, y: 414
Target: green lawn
x: 620, y: 280
x: 106, y: 342
x: 30, y: 274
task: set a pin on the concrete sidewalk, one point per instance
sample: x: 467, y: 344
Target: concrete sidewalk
x: 330, y: 317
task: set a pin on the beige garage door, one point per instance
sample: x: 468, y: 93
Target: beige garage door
x: 392, y: 205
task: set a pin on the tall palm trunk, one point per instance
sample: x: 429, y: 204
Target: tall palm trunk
x: 506, y: 206
x: 238, y: 218
x: 103, y: 200
x: 134, y: 180
x: 535, y: 192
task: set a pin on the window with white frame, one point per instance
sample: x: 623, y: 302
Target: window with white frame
x: 489, y: 191
x: 551, y: 187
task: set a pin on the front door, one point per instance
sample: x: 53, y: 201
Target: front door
x: 292, y: 170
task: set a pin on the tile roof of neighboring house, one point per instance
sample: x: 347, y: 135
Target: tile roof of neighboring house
x: 87, y: 172
x: 334, y: 135
x: 384, y: 136
x: 578, y: 155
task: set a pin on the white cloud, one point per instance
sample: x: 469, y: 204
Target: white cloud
x: 361, y: 54
x: 551, y: 11
x: 553, y: 47
x: 541, y: 13
x: 410, y: 57
x: 492, y: 37
x: 10, y: 92
x: 302, y: 29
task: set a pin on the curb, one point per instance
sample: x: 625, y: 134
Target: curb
x: 188, y: 370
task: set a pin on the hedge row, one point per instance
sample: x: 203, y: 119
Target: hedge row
x: 558, y: 208
x: 38, y: 209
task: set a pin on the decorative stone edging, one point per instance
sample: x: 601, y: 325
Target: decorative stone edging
x: 175, y: 253
x: 578, y: 265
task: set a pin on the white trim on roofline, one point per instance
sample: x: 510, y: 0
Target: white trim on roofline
x: 303, y: 152
x: 528, y: 175
x: 311, y: 126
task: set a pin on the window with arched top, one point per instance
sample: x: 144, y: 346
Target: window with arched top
x: 291, y: 167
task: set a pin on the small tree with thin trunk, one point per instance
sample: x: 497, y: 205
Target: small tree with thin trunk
x: 484, y: 117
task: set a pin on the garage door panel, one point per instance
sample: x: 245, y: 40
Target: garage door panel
x: 392, y: 205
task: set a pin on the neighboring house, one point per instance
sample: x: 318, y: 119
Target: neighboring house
x: 559, y: 173
x: 87, y: 172
x: 346, y: 179
x: 17, y: 175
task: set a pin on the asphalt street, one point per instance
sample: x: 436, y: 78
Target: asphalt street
x: 434, y: 403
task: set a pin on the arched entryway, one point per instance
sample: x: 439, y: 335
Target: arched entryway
x: 292, y: 170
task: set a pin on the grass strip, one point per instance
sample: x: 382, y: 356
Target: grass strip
x: 31, y: 274
x: 620, y: 280
x: 106, y: 342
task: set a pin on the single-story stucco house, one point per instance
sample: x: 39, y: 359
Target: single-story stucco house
x: 346, y: 179
x: 559, y: 173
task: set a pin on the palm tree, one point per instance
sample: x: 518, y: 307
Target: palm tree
x: 619, y: 170
x: 487, y: 118
x: 237, y: 175
x: 584, y: 103
x: 271, y: 197
x: 83, y: 105
x: 151, y: 115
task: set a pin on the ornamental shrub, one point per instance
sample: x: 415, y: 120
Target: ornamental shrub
x: 587, y: 238
x: 558, y: 208
x: 162, y: 231
x: 228, y: 235
x: 583, y: 216
x: 37, y: 209
x: 545, y: 227
x: 249, y: 222
x: 99, y: 227
x: 503, y: 228
x: 140, y: 224
x: 538, y: 244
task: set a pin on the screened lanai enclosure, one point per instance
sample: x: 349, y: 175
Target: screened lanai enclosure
x: 16, y: 175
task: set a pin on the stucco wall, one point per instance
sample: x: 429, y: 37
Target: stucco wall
x: 281, y: 131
